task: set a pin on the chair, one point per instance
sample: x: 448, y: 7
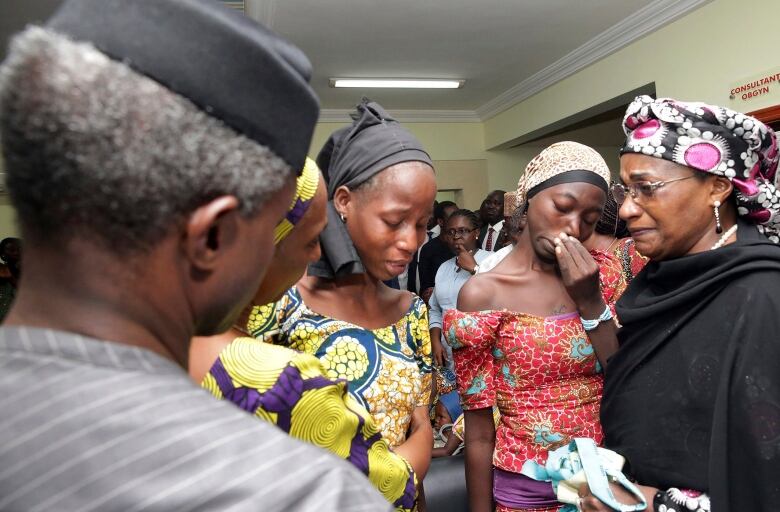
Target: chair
x: 445, y: 485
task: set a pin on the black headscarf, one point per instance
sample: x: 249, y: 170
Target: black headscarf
x: 351, y: 156
x: 692, y: 398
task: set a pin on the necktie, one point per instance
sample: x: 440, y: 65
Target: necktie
x: 489, y: 240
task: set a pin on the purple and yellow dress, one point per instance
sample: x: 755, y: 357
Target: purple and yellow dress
x: 291, y: 390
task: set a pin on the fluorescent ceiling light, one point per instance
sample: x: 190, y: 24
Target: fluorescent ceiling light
x: 396, y: 83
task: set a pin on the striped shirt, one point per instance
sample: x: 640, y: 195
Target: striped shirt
x: 93, y: 425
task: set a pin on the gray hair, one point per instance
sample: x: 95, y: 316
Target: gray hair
x: 94, y: 149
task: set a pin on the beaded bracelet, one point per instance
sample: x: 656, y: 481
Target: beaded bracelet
x: 590, y: 325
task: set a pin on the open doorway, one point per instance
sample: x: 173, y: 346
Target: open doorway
x: 769, y: 116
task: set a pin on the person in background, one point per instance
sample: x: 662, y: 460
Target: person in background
x: 691, y: 397
x: 435, y: 252
x: 381, y: 186
x: 10, y: 254
x: 612, y: 246
x: 446, y: 411
x: 509, y: 206
x: 461, y: 232
x: 315, y: 408
x: 513, y: 229
x: 162, y: 203
x: 492, y: 214
x: 410, y: 280
x: 519, y: 335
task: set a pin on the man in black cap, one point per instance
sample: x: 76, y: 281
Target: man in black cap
x: 153, y: 142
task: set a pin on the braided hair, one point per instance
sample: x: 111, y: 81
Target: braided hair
x: 610, y: 222
x: 472, y: 217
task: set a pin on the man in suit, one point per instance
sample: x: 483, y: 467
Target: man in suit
x: 435, y: 251
x: 492, y: 214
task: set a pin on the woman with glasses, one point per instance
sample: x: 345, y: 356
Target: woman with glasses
x: 461, y: 232
x: 524, y: 335
x: 692, y: 397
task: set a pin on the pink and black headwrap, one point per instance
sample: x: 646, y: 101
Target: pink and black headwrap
x: 716, y: 140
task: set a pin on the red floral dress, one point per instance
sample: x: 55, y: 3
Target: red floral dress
x: 541, y: 372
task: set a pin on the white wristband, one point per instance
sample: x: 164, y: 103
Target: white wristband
x: 590, y: 325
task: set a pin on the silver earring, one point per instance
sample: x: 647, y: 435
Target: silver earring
x: 344, y: 219
x: 718, y: 227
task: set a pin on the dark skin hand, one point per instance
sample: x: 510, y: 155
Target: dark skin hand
x: 580, y: 275
x: 437, y: 349
x: 449, y: 447
x: 589, y: 503
x: 465, y: 258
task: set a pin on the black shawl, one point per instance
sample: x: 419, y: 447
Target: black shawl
x: 352, y: 156
x: 692, y: 397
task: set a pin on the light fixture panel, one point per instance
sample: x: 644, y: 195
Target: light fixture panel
x: 396, y: 83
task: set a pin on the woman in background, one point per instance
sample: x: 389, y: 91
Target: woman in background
x: 612, y: 246
x: 461, y: 231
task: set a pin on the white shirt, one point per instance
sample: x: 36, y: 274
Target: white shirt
x: 449, y: 280
x: 494, y: 258
x: 496, y: 230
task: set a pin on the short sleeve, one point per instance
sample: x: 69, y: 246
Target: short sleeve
x: 291, y: 390
x: 472, y: 337
x: 418, y: 324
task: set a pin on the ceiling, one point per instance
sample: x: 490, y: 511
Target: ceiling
x: 493, y: 44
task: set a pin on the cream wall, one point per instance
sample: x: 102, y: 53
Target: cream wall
x: 7, y: 218
x: 7, y: 215
x: 457, y: 151
x: 697, y: 57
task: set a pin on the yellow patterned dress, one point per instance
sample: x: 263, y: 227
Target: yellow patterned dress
x: 290, y: 390
x: 388, y: 369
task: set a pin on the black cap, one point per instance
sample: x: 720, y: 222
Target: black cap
x: 231, y: 67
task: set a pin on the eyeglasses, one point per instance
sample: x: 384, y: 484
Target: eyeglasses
x: 461, y: 232
x: 641, y: 190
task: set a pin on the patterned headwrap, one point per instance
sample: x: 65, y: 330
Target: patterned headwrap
x: 563, y: 162
x: 305, y: 189
x: 510, y: 203
x: 716, y: 140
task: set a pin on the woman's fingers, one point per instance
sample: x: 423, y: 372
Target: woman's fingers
x: 565, y: 261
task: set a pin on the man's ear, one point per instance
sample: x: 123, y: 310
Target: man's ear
x: 209, y: 231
